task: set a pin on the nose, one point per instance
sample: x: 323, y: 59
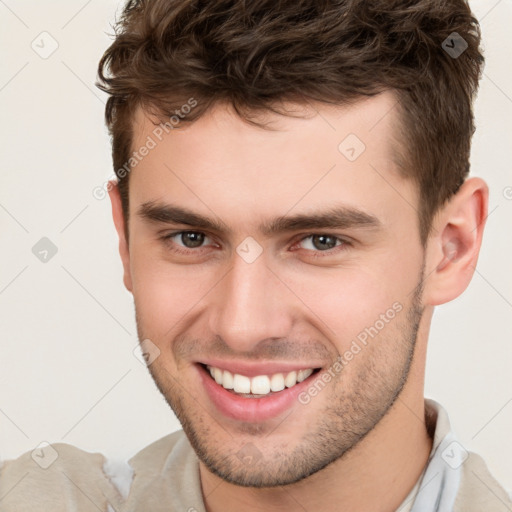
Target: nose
x: 250, y: 305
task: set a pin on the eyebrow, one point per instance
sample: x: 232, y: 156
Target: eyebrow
x: 340, y: 217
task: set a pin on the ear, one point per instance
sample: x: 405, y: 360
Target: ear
x: 119, y: 222
x: 454, y: 243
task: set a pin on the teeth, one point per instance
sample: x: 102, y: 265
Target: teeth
x: 290, y: 380
x: 241, y: 384
x: 259, y: 385
x: 227, y: 380
x: 303, y: 375
x: 217, y: 375
x: 277, y: 382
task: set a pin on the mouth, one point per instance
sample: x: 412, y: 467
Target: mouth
x: 257, y: 397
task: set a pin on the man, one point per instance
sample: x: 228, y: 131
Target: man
x: 292, y: 203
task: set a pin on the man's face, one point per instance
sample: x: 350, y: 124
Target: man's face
x: 254, y: 296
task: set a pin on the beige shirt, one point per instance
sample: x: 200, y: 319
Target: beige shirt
x: 164, y: 476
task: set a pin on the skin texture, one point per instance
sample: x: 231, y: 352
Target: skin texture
x: 361, y: 441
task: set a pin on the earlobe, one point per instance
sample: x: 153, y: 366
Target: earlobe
x: 453, y: 248
x: 119, y: 222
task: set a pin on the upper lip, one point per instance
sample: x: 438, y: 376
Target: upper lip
x: 251, y: 369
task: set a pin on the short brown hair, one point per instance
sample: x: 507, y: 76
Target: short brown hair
x: 255, y: 54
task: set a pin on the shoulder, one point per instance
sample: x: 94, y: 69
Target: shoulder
x: 479, y: 490
x: 166, y: 476
x: 153, y: 457
x: 61, y: 477
x: 57, y: 477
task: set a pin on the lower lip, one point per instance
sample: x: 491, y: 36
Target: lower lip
x: 251, y: 409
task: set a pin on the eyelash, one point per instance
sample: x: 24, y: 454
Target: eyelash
x: 315, y: 254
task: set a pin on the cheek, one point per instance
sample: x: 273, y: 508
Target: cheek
x: 163, y: 293
x: 345, y: 303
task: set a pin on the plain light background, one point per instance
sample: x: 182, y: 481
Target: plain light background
x: 68, y: 372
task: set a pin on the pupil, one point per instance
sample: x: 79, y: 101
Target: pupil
x: 191, y: 239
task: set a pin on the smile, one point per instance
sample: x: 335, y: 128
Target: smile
x: 254, y: 393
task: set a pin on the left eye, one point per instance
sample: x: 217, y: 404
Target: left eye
x: 321, y: 242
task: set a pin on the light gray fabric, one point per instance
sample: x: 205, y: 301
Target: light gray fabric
x: 64, y: 479
x: 440, y: 483
x: 165, y: 478
x: 454, y: 479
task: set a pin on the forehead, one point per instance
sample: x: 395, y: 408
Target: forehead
x: 321, y: 155
x: 368, y: 118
